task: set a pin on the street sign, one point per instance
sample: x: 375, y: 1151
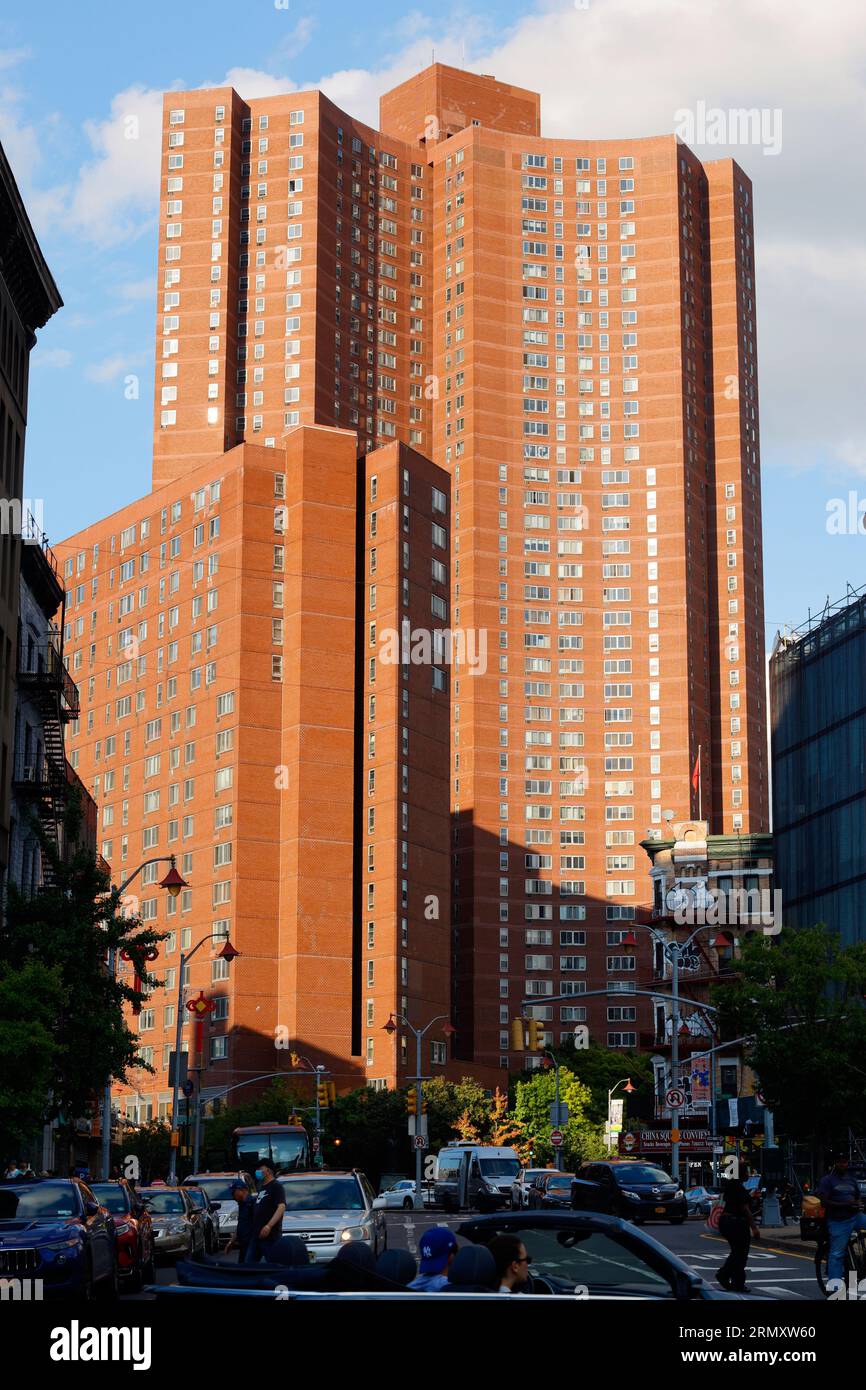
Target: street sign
x: 420, y: 1141
x: 675, y: 1098
x: 629, y: 1143
x: 556, y: 1138
x: 188, y: 1087
x: 558, y: 1113
x: 184, y: 1062
x: 315, y: 1143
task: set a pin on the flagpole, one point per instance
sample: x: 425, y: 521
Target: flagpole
x: 700, y: 789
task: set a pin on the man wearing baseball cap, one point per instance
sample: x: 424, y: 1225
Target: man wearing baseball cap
x: 437, y: 1248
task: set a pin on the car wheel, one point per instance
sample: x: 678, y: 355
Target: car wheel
x: 107, y: 1289
x: 676, y: 1220
x: 408, y: 1204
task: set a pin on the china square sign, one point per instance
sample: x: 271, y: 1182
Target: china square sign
x: 658, y: 1141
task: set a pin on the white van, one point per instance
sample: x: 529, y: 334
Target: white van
x: 475, y: 1175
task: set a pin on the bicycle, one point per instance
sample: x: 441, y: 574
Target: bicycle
x: 855, y: 1258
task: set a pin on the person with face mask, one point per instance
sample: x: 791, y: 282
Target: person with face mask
x: 512, y: 1263
x: 267, y: 1217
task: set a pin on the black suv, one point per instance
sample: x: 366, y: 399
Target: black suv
x: 632, y: 1188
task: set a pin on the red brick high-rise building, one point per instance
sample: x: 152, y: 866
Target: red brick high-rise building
x: 566, y: 328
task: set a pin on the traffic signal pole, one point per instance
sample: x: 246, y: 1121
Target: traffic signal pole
x: 419, y: 1121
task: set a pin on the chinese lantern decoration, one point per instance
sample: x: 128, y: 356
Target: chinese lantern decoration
x: 200, y: 1008
x: 137, y: 957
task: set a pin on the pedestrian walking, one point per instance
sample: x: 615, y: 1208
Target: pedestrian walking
x: 437, y: 1248
x: 840, y: 1197
x: 737, y: 1225
x: 786, y: 1201
x: 240, y: 1241
x: 267, y: 1217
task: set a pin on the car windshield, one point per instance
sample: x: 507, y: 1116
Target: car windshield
x: 499, y: 1167
x: 164, y: 1202
x: 44, y: 1199
x: 196, y: 1196
x: 564, y: 1183
x: 574, y: 1258
x: 217, y: 1189
x: 111, y: 1195
x: 323, y: 1194
x: 642, y: 1172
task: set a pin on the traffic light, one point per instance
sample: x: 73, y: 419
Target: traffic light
x: 294, y: 1119
x: 533, y: 1031
x: 294, y: 1059
x: 322, y: 1093
x: 517, y: 1035
x: 412, y: 1102
x: 332, y: 1091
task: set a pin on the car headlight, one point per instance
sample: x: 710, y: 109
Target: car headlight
x: 62, y: 1245
x: 123, y: 1229
x: 632, y: 1196
x: 177, y: 1228
x: 678, y: 1195
x: 355, y: 1233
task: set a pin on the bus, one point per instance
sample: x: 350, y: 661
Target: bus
x: 285, y: 1147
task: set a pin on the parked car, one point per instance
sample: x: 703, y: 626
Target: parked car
x: 209, y: 1216
x: 218, y: 1187
x: 56, y: 1231
x: 402, y: 1195
x: 328, y: 1209
x: 551, y: 1189
x: 178, y: 1225
x: 700, y: 1200
x: 133, y: 1233
x: 631, y: 1188
x: 475, y: 1175
x: 521, y: 1185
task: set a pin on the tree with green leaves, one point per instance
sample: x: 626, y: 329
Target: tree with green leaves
x: 62, y: 1026
x: 798, y: 998
x: 600, y: 1069
x: 532, y: 1101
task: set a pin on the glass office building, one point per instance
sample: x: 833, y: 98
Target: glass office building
x: 818, y: 722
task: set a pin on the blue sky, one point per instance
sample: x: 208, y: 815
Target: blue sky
x: 70, y: 74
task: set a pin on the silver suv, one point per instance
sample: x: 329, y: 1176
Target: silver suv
x: 327, y: 1210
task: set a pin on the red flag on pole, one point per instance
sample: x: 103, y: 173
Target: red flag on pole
x: 696, y: 774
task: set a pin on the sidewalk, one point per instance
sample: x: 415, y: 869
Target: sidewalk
x: 787, y: 1235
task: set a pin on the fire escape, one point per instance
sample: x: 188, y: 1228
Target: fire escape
x: 44, y: 779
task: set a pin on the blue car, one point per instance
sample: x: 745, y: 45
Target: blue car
x: 56, y: 1240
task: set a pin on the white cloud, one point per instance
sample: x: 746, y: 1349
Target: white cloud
x: 51, y: 357
x: 117, y: 365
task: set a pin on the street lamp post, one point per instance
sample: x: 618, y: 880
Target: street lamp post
x: 628, y: 1089
x: 172, y: 883
x: 391, y: 1028
x: 675, y: 952
x: 228, y: 953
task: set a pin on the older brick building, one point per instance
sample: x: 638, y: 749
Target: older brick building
x: 566, y: 328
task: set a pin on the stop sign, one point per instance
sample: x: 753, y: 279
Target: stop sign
x: 556, y: 1138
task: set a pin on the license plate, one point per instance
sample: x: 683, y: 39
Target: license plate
x: 660, y: 1211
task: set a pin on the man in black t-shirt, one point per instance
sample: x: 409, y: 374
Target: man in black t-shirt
x: 737, y: 1225
x: 267, y: 1217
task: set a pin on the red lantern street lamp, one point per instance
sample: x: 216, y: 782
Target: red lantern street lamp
x: 172, y: 883
x: 629, y: 941
x: 390, y: 1026
x: 722, y: 942
x: 228, y: 952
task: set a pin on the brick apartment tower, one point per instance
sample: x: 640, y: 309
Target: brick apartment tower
x: 445, y: 283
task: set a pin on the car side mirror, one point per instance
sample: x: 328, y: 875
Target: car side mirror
x: 685, y: 1285
x: 215, y: 1205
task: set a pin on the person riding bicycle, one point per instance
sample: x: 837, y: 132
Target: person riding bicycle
x: 840, y: 1197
